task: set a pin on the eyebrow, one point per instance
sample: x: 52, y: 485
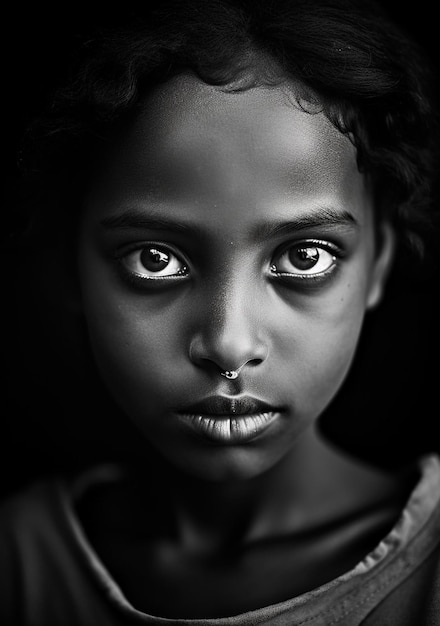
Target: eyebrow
x: 318, y: 217
x: 137, y: 219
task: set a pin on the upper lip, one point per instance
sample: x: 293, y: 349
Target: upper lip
x: 224, y: 405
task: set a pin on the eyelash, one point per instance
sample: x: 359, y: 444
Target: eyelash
x: 336, y: 253
x: 136, y: 278
x: 300, y: 278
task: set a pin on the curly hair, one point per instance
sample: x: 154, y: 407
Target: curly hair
x: 369, y: 78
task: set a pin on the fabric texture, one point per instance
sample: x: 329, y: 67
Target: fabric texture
x: 51, y: 576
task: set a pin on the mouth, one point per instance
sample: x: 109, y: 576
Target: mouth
x: 226, y: 420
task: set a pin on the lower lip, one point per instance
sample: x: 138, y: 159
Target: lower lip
x: 230, y: 429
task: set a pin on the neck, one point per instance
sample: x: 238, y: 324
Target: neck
x: 312, y: 487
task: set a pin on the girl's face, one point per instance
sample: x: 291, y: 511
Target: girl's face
x: 227, y: 231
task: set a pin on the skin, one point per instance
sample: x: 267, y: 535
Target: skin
x: 223, y: 165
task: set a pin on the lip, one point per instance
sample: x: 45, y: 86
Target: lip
x: 226, y: 405
x: 226, y: 420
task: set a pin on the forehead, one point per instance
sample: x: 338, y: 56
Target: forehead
x: 223, y: 149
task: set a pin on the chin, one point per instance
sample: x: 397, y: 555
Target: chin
x: 222, y: 464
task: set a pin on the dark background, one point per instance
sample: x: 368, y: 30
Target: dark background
x: 53, y: 416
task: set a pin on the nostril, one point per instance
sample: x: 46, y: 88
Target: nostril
x: 233, y: 374
x: 229, y: 373
x: 211, y: 352
x: 254, y: 362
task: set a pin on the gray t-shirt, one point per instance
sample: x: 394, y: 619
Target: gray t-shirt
x: 51, y: 576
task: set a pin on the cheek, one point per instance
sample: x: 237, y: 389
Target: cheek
x: 134, y: 347
x: 134, y: 338
x: 318, y: 344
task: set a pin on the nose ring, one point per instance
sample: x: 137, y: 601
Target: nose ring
x: 231, y: 374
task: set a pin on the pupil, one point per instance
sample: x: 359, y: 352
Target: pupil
x: 304, y: 258
x: 154, y: 260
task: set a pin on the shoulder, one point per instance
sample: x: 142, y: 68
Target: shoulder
x: 47, y: 570
x: 413, y: 600
x: 48, y: 502
x: 25, y: 510
x: 29, y: 510
x: 411, y: 571
x: 32, y: 511
x: 25, y: 518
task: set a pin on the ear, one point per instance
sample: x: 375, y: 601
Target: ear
x: 382, y: 263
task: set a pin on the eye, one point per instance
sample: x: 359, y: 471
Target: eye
x: 154, y: 262
x: 305, y: 259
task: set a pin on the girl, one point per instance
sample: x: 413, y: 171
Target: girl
x: 231, y: 183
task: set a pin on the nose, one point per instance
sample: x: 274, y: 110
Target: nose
x: 228, y: 333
